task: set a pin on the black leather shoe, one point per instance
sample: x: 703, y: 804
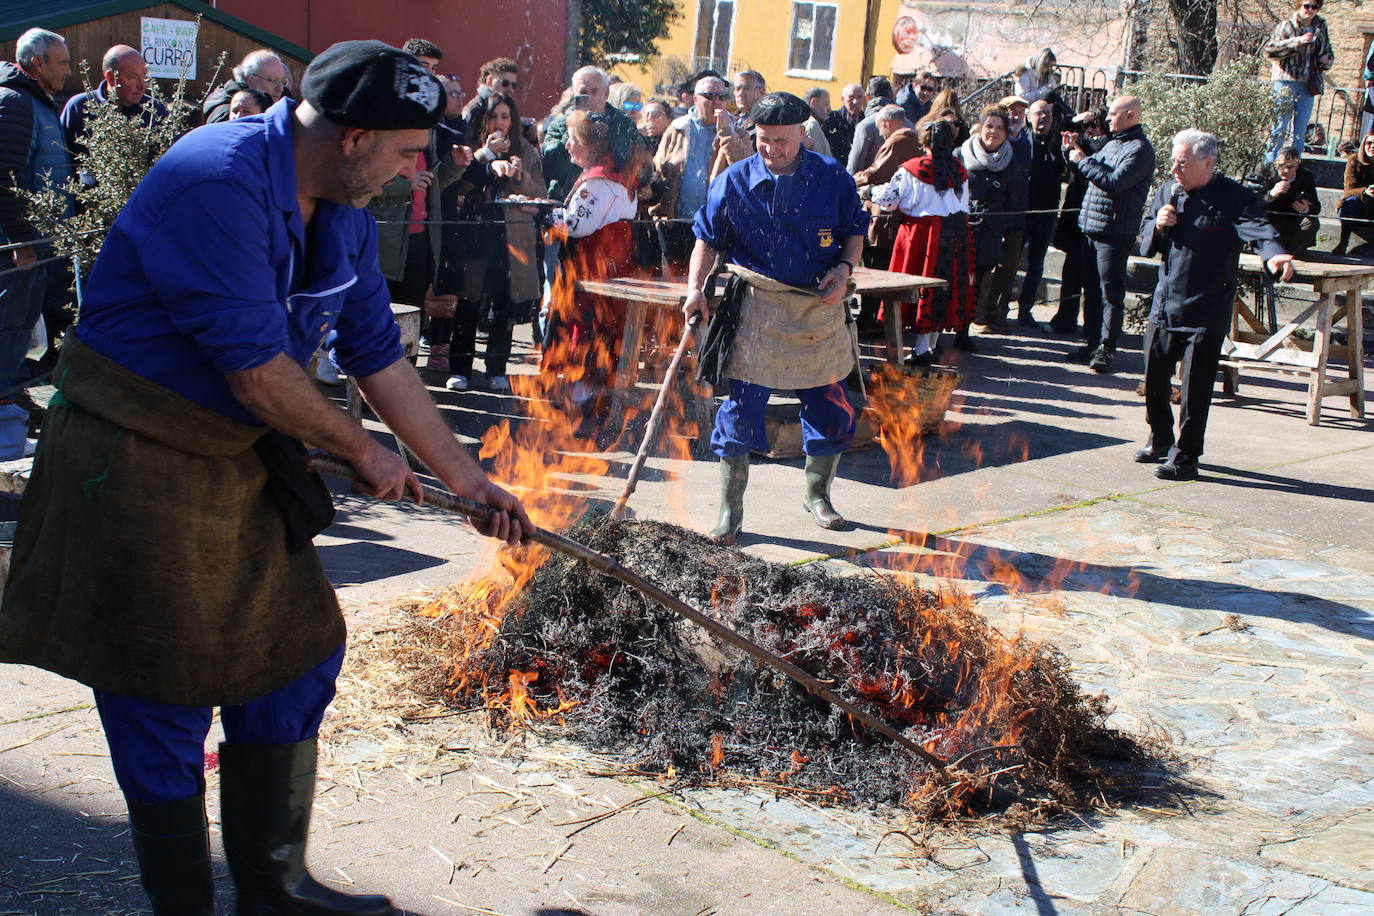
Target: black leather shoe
x: 1179, y: 468
x: 920, y: 359
x: 1148, y: 455
x: 962, y: 341
x: 1101, y: 361
x: 1079, y: 355
x: 1027, y: 320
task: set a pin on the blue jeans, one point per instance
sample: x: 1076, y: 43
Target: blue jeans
x: 1039, y: 232
x: 828, y: 420
x: 158, y: 749
x: 1294, y: 124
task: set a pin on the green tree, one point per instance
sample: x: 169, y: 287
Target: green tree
x: 1233, y: 104
x: 624, y: 28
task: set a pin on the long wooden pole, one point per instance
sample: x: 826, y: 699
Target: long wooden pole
x: 655, y: 419
x: 336, y: 467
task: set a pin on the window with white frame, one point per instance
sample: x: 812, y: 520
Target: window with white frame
x: 715, y: 19
x: 813, y: 36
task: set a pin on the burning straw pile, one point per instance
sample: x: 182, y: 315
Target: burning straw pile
x: 600, y: 663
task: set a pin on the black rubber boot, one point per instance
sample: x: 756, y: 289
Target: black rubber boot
x: 820, y: 472
x: 266, y: 793
x: 172, y: 843
x: 734, y: 479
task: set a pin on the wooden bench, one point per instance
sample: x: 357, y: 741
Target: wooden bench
x: 1253, y: 347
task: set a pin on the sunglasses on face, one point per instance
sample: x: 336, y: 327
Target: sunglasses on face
x: 632, y: 106
x: 715, y: 96
x: 1311, y: 6
x: 927, y: 88
x: 508, y: 84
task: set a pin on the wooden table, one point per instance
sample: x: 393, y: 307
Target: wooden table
x: 642, y: 294
x: 1254, y: 347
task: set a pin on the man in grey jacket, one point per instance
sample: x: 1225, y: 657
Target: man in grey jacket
x: 1119, y: 177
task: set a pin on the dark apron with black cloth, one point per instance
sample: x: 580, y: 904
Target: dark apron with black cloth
x: 151, y: 557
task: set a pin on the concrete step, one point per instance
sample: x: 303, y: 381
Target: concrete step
x: 1328, y: 171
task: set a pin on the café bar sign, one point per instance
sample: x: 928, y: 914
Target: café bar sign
x: 169, y: 47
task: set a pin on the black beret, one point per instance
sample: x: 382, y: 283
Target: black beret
x: 780, y: 108
x: 371, y: 85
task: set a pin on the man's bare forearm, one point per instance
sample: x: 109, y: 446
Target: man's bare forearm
x: 401, y: 401
x: 280, y: 394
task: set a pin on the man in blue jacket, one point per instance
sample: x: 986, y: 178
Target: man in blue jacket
x: 1119, y: 177
x: 126, y: 83
x: 33, y: 157
x: 789, y: 225
x: 169, y: 493
x: 1198, y: 222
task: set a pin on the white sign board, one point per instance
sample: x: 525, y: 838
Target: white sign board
x: 169, y: 47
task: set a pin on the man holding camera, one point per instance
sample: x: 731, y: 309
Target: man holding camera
x: 1198, y: 223
x: 591, y: 88
x: 1119, y: 177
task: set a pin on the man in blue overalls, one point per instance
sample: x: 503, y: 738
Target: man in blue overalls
x: 790, y: 227
x: 169, y: 501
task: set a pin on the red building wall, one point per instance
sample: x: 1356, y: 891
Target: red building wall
x: 469, y: 32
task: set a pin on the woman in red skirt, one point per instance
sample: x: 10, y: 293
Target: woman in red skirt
x: 585, y: 330
x: 931, y: 193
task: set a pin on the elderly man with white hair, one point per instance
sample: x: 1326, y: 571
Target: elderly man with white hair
x: 33, y: 157
x: 1198, y: 221
x: 591, y: 89
x: 262, y: 70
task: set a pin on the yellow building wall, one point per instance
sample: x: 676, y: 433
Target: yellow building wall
x: 761, y: 40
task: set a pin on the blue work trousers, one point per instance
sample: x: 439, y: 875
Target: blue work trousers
x: 827, y: 418
x: 158, y: 749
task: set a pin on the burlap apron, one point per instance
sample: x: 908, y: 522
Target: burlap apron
x: 149, y: 560
x: 787, y: 338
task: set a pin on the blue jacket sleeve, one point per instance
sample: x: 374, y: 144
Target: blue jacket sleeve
x: 712, y: 222
x: 369, y: 339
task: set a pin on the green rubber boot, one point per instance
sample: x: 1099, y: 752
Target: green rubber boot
x: 820, y: 472
x: 734, y: 478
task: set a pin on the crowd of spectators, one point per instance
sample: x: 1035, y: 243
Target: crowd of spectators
x: 969, y: 200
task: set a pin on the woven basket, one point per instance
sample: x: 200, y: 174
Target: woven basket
x: 909, y: 392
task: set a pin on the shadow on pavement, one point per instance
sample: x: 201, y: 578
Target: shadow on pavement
x: 358, y: 562
x: 1038, y: 572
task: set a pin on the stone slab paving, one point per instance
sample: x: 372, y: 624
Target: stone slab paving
x: 1272, y: 717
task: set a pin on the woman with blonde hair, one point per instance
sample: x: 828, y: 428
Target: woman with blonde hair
x: 585, y: 330
x: 628, y: 98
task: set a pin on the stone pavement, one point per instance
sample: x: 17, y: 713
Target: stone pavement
x: 1232, y: 616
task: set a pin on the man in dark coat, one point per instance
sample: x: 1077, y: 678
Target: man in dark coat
x: 1198, y: 222
x: 1119, y: 177
x: 839, y: 125
x: 33, y: 157
x: 126, y: 82
x: 1042, y: 198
